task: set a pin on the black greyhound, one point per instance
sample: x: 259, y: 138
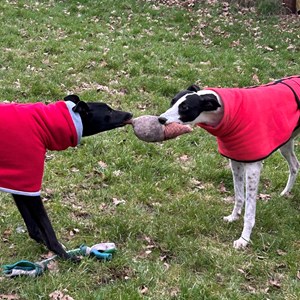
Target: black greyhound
x: 47, y: 127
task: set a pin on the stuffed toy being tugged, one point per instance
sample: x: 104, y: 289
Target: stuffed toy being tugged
x: 148, y: 129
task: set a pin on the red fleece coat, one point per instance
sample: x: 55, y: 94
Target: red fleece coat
x: 26, y: 131
x: 257, y: 120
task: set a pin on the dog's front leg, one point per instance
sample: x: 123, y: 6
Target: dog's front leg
x: 33, y: 210
x: 32, y: 227
x: 238, y: 173
x: 252, y: 174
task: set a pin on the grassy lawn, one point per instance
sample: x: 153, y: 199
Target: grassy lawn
x: 172, y: 242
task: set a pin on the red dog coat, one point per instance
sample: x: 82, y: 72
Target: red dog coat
x: 27, y: 131
x: 257, y: 120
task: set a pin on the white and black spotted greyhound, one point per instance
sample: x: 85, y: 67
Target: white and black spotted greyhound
x: 249, y: 124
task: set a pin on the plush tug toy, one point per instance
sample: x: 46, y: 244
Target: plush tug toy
x: 149, y: 129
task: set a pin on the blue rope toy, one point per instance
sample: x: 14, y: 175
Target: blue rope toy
x: 102, y: 251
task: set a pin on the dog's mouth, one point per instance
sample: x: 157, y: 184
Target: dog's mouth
x: 127, y: 122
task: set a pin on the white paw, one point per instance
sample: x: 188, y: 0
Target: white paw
x: 285, y: 192
x: 240, y: 243
x: 231, y: 218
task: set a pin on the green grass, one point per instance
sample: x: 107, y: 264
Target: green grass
x: 144, y: 53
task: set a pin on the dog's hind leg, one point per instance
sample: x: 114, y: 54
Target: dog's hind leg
x: 287, y: 151
x: 252, y: 174
x: 36, y: 215
x: 238, y: 173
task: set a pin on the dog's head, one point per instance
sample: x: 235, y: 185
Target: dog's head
x: 97, y: 117
x: 188, y: 105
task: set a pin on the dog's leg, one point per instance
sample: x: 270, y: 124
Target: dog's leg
x: 32, y: 227
x: 288, y: 153
x: 252, y: 175
x: 238, y: 173
x: 35, y: 210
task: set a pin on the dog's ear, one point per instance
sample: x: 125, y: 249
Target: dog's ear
x: 209, y: 102
x: 81, y: 107
x: 193, y: 88
x: 74, y: 98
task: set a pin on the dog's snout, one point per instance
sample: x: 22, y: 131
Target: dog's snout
x: 162, y: 120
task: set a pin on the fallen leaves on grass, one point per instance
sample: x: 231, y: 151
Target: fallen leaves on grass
x: 179, y: 3
x: 150, y: 246
x: 116, y: 273
x: 86, y: 86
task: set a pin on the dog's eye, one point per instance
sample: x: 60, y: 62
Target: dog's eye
x: 183, y: 107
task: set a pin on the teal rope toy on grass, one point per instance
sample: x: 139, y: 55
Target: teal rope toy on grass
x: 102, y: 251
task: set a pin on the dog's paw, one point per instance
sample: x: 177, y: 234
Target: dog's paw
x: 285, y: 193
x: 75, y: 259
x: 240, y: 243
x: 231, y: 218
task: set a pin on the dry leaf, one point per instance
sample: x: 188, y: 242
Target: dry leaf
x: 229, y: 199
x: 275, y: 283
x: 264, y: 197
x: 148, y: 239
x: 143, y: 290
x: 291, y: 47
x: 103, y: 206
x: 117, y: 173
x: 198, y: 184
x: 7, y: 233
x: 102, y: 164
x: 184, y: 158
x: 74, y: 231
x: 268, y: 48
x: 235, y: 43
x: 205, y: 63
x: 174, y: 292
x: 53, y: 266
x: 117, y: 202
x: 281, y: 252
x: 255, y: 79
x: 222, y: 188
x: 9, y: 297
x: 59, y: 295
x: 48, y: 255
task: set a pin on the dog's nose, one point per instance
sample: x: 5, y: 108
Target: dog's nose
x: 162, y: 120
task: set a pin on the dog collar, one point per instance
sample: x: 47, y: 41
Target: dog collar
x: 76, y: 120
